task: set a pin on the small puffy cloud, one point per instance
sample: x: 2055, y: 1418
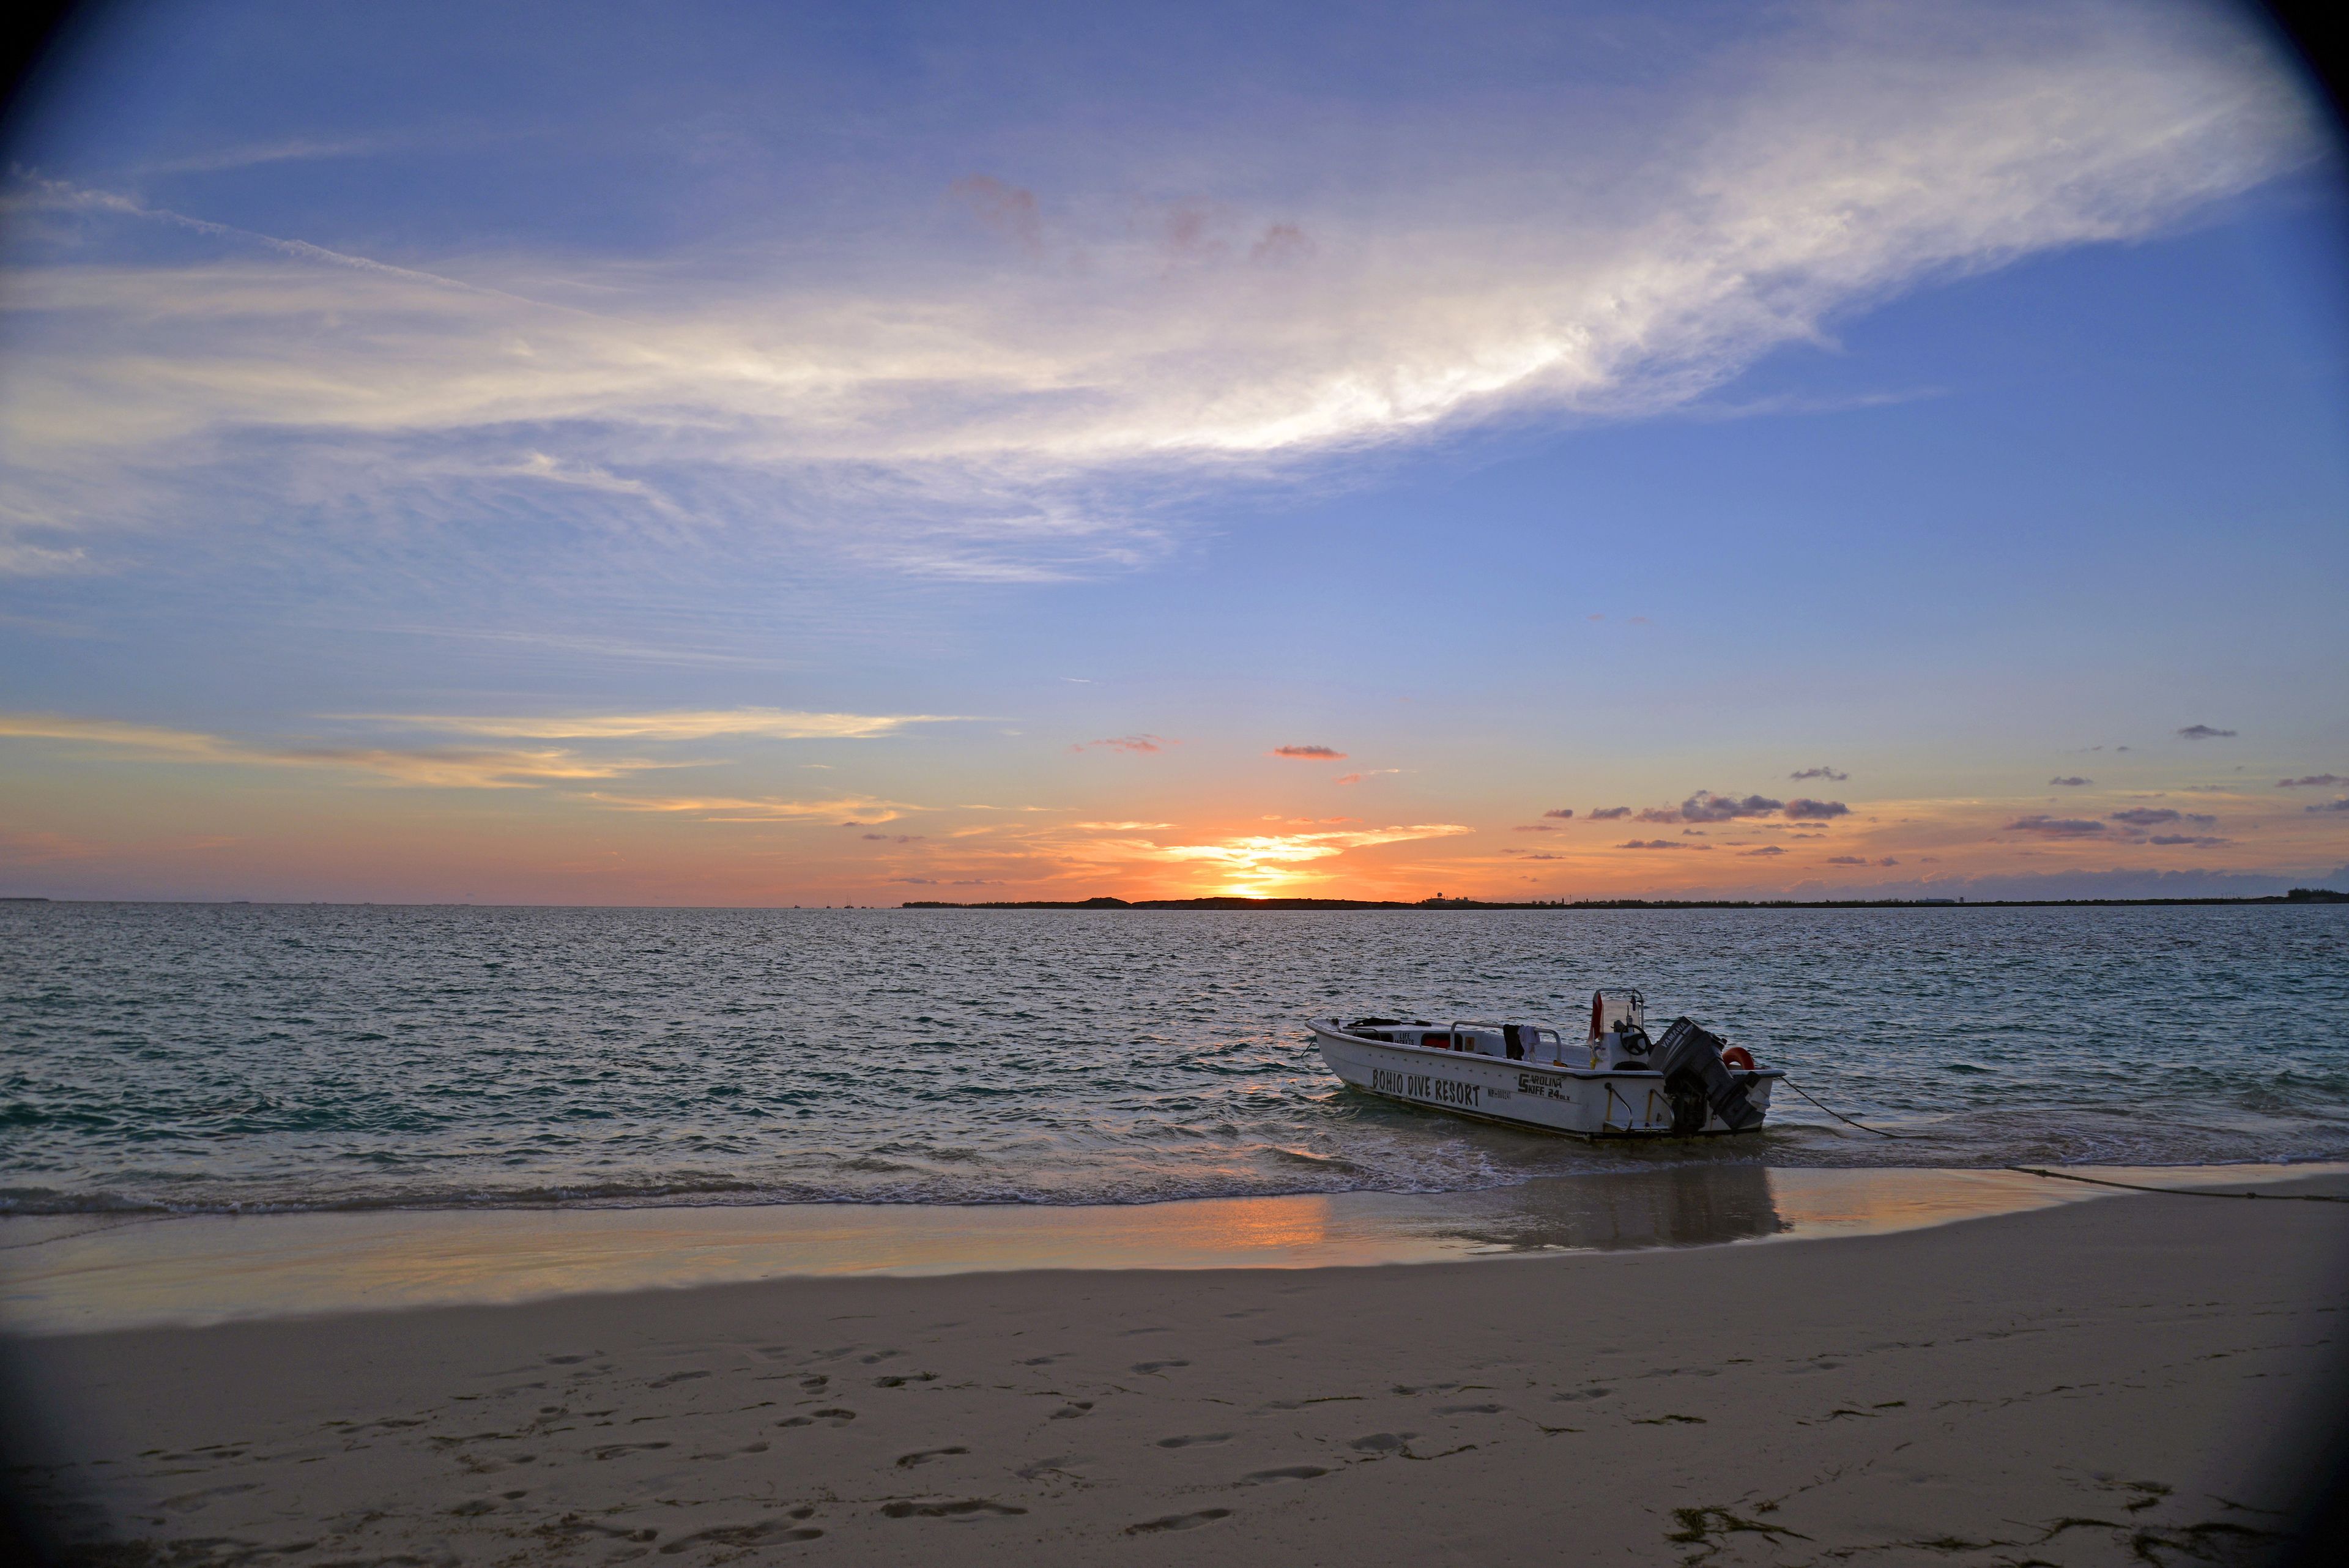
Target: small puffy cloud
x: 1006, y: 210
x: 1365, y: 773
x: 2070, y: 781
x: 1562, y: 814
x: 2055, y: 827
x: 1310, y: 753
x: 2157, y: 816
x: 2311, y: 781
x: 1706, y: 805
x: 894, y: 837
x: 1815, y: 810
x: 2198, y: 840
x: 1766, y: 850
x: 1535, y: 827
x: 1660, y: 844
x: 2341, y: 805
x: 2204, y: 732
x: 1610, y: 814
x: 1282, y: 243
x: 1119, y: 826
x: 1888, y: 860
x: 1821, y: 772
x: 1847, y: 859
x: 1530, y: 855
x: 1140, y: 744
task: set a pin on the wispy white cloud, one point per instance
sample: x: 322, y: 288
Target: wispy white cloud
x: 772, y: 723
x: 19, y: 558
x: 848, y: 811
x: 441, y: 767
x: 955, y: 417
x: 287, y: 149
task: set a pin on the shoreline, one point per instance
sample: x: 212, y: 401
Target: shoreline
x: 83, y: 1273
x: 2086, y: 1383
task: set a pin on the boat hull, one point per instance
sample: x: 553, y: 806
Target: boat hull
x: 1580, y: 1102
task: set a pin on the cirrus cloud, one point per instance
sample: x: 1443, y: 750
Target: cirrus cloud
x: 928, y: 410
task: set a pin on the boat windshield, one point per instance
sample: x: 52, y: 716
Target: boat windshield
x: 1617, y: 1010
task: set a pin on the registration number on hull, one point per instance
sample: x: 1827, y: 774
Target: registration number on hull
x: 1426, y: 1086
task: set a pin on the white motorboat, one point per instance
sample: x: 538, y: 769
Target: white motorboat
x: 1616, y: 1082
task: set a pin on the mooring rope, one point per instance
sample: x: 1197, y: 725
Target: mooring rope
x: 1841, y: 1118
x: 2179, y: 1191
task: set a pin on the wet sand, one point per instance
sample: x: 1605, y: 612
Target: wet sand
x: 86, y: 1273
x: 2086, y: 1383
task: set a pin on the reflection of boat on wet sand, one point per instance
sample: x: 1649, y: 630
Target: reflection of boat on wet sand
x: 1617, y: 1082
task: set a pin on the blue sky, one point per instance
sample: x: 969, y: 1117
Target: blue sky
x: 770, y: 454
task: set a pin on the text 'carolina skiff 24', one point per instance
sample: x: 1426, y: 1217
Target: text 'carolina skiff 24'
x: 1614, y: 1082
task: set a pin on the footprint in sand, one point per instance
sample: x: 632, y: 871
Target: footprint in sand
x: 1469, y: 1409
x: 1593, y: 1392
x: 1151, y: 1368
x: 908, y: 1461
x: 734, y: 1453
x: 967, y: 1508
x: 831, y: 1417
x: 1202, y: 1439
x: 1072, y: 1410
x: 1179, y: 1521
x: 784, y: 1528
x: 196, y: 1502
x: 814, y: 1381
x: 1382, y: 1442
x: 1045, y: 1360
x: 901, y: 1382
x: 1284, y: 1473
x: 675, y: 1377
x: 617, y: 1450
x: 565, y: 1360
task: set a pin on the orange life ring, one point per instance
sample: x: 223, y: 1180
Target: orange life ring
x: 1738, y: 1056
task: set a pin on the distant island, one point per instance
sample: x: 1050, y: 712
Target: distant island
x: 2297, y: 895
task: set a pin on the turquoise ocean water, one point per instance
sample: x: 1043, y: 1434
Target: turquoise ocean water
x: 208, y: 1058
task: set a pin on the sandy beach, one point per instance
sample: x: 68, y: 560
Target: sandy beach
x: 2082, y: 1384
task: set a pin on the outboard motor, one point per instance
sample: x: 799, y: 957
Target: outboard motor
x: 1698, y: 1083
